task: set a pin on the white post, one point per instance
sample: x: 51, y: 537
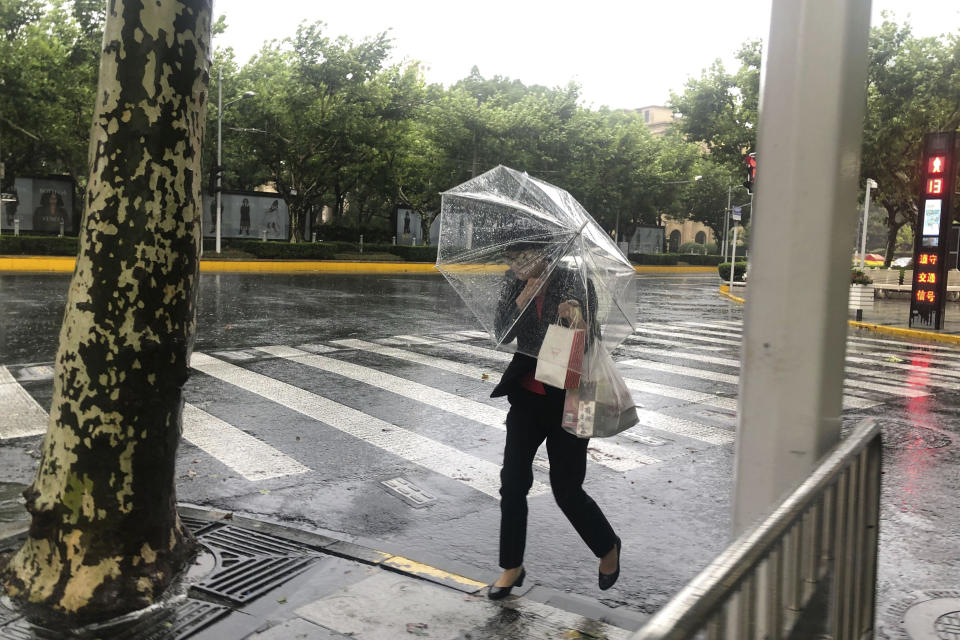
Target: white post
x: 791, y: 383
x: 219, y: 144
x: 726, y: 221
x: 733, y: 256
x: 866, y: 216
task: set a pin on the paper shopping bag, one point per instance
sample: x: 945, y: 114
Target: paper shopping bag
x: 561, y: 357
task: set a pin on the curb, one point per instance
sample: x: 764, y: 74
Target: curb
x: 66, y: 264
x: 341, y: 548
x: 900, y: 332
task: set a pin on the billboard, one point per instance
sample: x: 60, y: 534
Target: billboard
x: 247, y: 215
x: 408, y: 229
x: 42, y: 204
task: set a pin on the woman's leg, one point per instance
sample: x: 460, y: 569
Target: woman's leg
x: 568, y: 466
x: 524, y: 436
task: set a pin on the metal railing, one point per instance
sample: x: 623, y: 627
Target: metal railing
x: 808, y: 570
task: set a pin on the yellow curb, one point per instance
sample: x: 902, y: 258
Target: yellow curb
x: 654, y: 268
x: 419, y: 569
x: 725, y: 292
x: 906, y: 333
x: 65, y: 264
x: 878, y: 328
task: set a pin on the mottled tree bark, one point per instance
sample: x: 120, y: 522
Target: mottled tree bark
x: 105, y: 538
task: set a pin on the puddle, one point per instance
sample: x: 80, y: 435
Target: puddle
x: 13, y: 516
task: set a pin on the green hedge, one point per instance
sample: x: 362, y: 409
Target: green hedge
x: 38, y: 246
x: 673, y: 258
x: 724, y: 270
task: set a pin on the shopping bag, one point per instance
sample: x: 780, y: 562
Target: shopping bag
x: 601, y: 406
x: 561, y: 357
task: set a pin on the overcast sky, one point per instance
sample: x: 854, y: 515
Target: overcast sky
x: 623, y: 53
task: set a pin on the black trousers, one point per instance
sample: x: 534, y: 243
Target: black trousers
x: 531, y: 420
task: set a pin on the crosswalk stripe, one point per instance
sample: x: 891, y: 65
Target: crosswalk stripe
x: 609, y: 455
x: 853, y: 402
x: 23, y: 416
x: 686, y: 336
x: 482, y: 352
x: 416, y: 339
x: 915, y: 379
x: 932, y: 370
x: 688, y: 428
x: 248, y: 456
x: 467, y: 370
x: 668, y: 343
x: 697, y: 331
x: 252, y: 458
x: 727, y: 362
x: 433, y: 455
x: 697, y: 397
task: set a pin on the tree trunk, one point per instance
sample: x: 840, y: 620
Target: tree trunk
x: 105, y: 538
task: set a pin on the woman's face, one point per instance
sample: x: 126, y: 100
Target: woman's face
x: 526, y: 264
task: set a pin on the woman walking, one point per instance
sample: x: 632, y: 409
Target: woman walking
x: 535, y: 414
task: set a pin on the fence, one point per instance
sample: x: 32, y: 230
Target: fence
x: 806, y: 571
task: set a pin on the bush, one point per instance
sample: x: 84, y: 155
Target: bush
x: 724, y: 270
x: 859, y: 277
x: 350, y: 234
x: 694, y: 259
x: 652, y: 258
x: 285, y: 250
x: 693, y: 247
x: 410, y: 254
x: 38, y: 246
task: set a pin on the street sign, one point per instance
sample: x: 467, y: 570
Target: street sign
x: 737, y: 213
x: 932, y: 231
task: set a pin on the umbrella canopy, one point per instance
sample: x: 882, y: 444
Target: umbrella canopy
x: 512, y: 245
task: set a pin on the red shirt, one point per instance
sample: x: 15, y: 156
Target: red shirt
x: 528, y: 381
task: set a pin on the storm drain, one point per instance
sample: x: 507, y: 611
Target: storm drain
x: 197, y: 526
x: 408, y: 492
x: 930, y: 615
x: 252, y: 577
x: 248, y: 564
x: 18, y: 630
x: 642, y: 439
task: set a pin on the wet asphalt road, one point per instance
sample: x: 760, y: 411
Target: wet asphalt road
x: 410, y: 401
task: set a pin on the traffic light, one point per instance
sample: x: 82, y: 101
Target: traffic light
x: 751, y: 161
x: 216, y: 179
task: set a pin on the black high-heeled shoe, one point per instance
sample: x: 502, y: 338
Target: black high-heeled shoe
x: 607, y: 580
x: 498, y: 593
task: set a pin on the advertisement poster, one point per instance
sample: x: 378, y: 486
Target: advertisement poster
x: 247, y: 215
x: 931, y: 217
x: 42, y: 205
x: 408, y: 227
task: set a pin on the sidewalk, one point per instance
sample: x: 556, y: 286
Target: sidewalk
x: 255, y: 580
x: 889, y: 316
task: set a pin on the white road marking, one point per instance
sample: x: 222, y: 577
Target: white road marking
x: 697, y: 397
x: 686, y: 336
x: 610, y: 455
x: 467, y: 370
x: 416, y: 339
x: 849, y: 401
x: 688, y: 428
x: 437, y: 457
x: 669, y: 343
x: 22, y: 415
x: 252, y: 458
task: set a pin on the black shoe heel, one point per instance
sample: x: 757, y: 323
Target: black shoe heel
x: 498, y: 593
x: 607, y: 580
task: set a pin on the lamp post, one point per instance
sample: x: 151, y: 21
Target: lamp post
x: 219, y: 168
x: 871, y: 184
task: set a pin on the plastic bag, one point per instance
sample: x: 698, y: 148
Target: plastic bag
x: 601, y: 406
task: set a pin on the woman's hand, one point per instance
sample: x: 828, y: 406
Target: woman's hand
x: 570, y: 311
x: 529, y: 292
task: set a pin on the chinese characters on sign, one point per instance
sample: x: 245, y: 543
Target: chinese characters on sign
x: 932, y: 232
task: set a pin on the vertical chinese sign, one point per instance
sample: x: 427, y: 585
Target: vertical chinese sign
x: 933, y: 230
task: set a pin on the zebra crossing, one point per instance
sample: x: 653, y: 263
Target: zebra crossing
x: 683, y: 375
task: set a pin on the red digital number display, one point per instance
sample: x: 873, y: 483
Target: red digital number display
x: 937, y: 164
x: 935, y: 186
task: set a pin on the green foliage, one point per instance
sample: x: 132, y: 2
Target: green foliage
x: 859, y: 277
x: 653, y: 258
x: 693, y: 247
x: 38, y: 246
x: 738, y: 272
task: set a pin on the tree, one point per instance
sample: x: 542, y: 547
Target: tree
x: 105, y: 538
x: 913, y: 88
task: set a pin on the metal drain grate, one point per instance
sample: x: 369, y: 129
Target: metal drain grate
x: 197, y: 526
x: 252, y: 577
x: 195, y: 615
x: 19, y: 630
x: 244, y: 542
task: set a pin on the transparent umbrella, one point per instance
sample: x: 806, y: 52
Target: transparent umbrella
x: 513, y: 246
